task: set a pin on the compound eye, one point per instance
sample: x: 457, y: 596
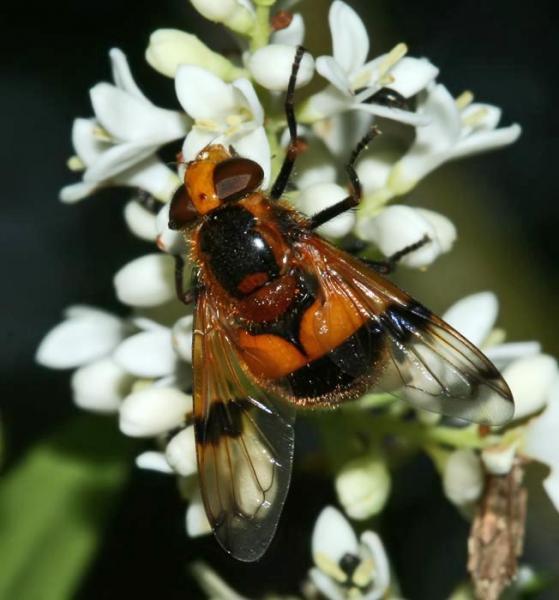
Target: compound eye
x: 236, y: 177
x: 181, y: 210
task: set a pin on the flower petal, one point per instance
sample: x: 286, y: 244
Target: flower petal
x: 332, y: 537
x: 80, y: 339
x: 203, y: 95
x: 77, y: 191
x: 122, y: 76
x: 181, y: 452
x: 154, y: 461
x: 326, y: 585
x: 531, y: 380
x: 333, y: 72
x: 315, y: 198
x: 197, y: 139
x: 373, y: 171
x: 350, y: 41
x: 484, y: 141
x: 411, y: 75
x: 117, y: 159
x: 375, y: 547
x: 152, y: 176
x: 474, y: 316
x: 148, y: 354
x: 197, y: 523
x: 541, y: 443
x: 282, y: 57
x: 140, y: 221
x: 255, y: 146
x: 146, y: 281
x: 100, y: 386
x: 249, y: 99
x: 399, y: 226
x: 463, y: 477
x: 503, y: 354
x: 154, y: 411
x: 86, y: 144
x: 128, y: 118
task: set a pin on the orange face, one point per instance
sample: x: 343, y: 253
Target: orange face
x: 212, y: 179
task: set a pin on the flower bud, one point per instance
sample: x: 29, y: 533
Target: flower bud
x: 100, y: 386
x: 170, y: 48
x: 363, y: 486
x: 232, y: 13
x: 147, y: 354
x: 146, y: 281
x: 272, y: 65
x: 463, y: 477
x: 181, y: 452
x: 399, y: 226
x: 140, y: 221
x: 153, y: 411
x: 320, y: 196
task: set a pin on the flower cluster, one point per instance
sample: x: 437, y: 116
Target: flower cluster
x: 139, y: 366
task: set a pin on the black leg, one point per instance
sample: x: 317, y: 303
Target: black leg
x: 294, y: 148
x: 389, y: 264
x: 355, y: 185
x: 186, y: 297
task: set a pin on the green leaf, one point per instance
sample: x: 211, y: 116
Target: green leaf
x: 54, y: 505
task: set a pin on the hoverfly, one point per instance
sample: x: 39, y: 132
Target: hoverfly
x: 283, y: 319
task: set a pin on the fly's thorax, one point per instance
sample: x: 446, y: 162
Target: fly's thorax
x: 239, y: 249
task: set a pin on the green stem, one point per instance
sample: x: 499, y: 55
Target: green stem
x: 261, y: 31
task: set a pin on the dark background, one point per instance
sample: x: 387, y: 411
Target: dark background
x: 55, y: 255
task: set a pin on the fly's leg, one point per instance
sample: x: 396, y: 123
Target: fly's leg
x: 186, y: 297
x: 354, y: 184
x: 388, y: 265
x: 294, y: 147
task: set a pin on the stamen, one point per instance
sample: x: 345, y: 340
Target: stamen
x: 207, y: 124
x: 102, y: 134
x: 465, y: 99
x: 476, y: 117
x: 75, y: 163
x: 398, y: 52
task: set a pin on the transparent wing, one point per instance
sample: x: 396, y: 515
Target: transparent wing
x: 244, y: 441
x: 396, y: 341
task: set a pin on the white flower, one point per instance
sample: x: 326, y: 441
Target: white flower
x: 534, y: 383
x: 228, y: 114
x: 293, y: 34
x: 181, y: 452
x: 354, y: 80
x: 463, y: 477
x: 140, y: 221
x: 148, y: 354
x: 170, y: 48
x: 344, y: 565
x: 118, y: 146
x: 87, y: 334
x: 152, y: 460
x: 281, y: 56
x: 319, y: 196
x: 530, y: 375
x: 454, y: 129
x: 541, y: 443
x: 146, y: 281
x: 153, y: 411
x: 398, y: 226
x: 100, y: 386
x: 363, y: 486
